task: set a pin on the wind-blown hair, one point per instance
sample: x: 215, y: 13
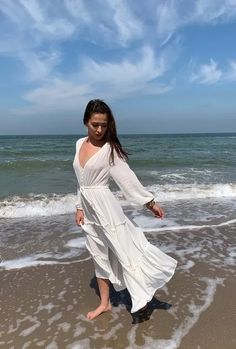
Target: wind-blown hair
x: 98, y: 106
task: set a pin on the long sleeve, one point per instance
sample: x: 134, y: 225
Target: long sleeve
x: 128, y: 182
x: 78, y: 200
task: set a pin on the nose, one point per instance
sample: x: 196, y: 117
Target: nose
x: 99, y: 129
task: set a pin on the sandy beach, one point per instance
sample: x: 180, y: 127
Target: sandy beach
x: 45, y: 306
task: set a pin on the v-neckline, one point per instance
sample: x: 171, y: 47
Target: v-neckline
x: 86, y: 138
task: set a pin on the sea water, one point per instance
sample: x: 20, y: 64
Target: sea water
x: 192, y: 176
x: 37, y: 179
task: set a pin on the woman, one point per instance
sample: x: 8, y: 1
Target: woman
x: 121, y: 253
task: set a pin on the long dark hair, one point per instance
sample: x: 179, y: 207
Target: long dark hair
x: 98, y: 106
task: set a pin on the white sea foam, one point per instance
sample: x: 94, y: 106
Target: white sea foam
x: 188, y: 265
x: 77, y: 242
x: 81, y: 344
x: 30, y: 329
x: 52, y: 345
x: 46, y: 258
x: 184, y: 328
x: 76, y: 246
x: 171, y: 192
x: 189, y: 227
x: 183, y: 175
x: 35, y: 205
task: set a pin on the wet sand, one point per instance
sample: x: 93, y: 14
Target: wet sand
x: 46, y: 307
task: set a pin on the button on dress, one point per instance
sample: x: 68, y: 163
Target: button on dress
x: 119, y: 249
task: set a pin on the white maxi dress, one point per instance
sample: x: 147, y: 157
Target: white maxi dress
x: 119, y: 249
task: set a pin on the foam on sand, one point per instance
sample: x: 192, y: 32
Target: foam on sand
x: 183, y: 329
x: 77, y: 247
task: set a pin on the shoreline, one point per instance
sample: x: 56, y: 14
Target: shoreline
x: 46, y: 307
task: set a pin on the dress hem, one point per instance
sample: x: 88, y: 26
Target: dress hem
x: 148, y: 299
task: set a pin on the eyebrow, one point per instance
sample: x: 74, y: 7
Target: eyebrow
x: 102, y: 123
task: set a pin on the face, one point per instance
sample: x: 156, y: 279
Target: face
x: 97, y: 126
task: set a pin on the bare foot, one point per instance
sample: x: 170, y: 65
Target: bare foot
x: 99, y: 310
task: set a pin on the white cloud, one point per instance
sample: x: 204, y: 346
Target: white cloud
x: 127, y: 77
x: 33, y: 9
x: 208, y: 74
x: 106, y: 21
x: 231, y: 73
x: 33, y: 21
x: 78, y: 10
x: 128, y: 27
x: 28, y: 26
x: 113, y: 80
x: 37, y: 29
x: 146, y: 67
x: 39, y: 66
x: 57, y: 94
x: 174, y: 14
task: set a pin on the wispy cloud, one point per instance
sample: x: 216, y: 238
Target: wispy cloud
x: 231, y: 73
x: 78, y: 10
x: 127, y: 75
x: 113, y: 22
x: 33, y: 21
x: 30, y: 25
x: 39, y: 66
x: 118, y: 53
x: 174, y: 14
x: 207, y: 74
x: 58, y: 94
x: 128, y: 26
x: 113, y: 80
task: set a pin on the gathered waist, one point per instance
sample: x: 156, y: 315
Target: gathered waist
x: 94, y: 187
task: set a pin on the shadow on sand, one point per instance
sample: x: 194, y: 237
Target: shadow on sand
x: 123, y: 297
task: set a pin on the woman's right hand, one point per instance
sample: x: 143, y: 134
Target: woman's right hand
x: 79, y: 217
x: 158, y: 211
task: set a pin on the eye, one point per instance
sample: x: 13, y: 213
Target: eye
x: 96, y: 125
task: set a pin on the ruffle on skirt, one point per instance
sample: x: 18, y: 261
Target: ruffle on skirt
x: 123, y: 255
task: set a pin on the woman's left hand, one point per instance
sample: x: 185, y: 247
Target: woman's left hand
x: 158, y: 211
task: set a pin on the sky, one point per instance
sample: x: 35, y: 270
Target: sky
x: 164, y: 66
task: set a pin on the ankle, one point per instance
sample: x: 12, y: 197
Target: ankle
x: 105, y: 304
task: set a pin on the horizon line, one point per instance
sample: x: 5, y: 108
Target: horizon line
x: 120, y: 134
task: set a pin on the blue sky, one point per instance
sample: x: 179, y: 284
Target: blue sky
x: 166, y: 66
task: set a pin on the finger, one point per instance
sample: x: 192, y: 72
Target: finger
x: 78, y: 220
x: 159, y: 214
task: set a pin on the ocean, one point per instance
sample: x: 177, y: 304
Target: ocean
x: 192, y: 176
x: 37, y: 178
